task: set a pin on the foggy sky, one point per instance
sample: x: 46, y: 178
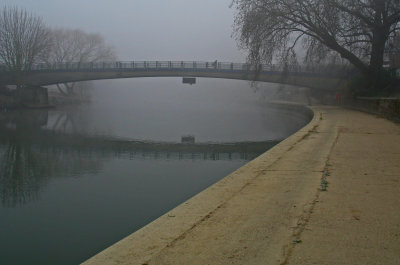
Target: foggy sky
x: 148, y: 29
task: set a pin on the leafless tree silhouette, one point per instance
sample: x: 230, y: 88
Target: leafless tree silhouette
x: 356, y: 30
x: 77, y: 46
x: 24, y: 39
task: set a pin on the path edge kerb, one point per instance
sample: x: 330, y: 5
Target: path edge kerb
x: 142, y: 245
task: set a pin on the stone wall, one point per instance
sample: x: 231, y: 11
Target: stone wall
x: 34, y: 96
x: 386, y: 107
x: 31, y: 96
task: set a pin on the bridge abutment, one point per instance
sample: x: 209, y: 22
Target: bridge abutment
x: 33, y: 96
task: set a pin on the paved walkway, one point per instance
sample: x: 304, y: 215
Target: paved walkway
x: 357, y: 221
x: 330, y: 194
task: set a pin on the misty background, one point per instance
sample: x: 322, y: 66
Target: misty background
x: 122, y: 190
x: 148, y: 29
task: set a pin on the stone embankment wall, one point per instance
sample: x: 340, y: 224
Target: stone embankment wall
x: 12, y: 98
x: 386, y: 107
x: 6, y: 102
x: 6, y: 98
x: 299, y: 110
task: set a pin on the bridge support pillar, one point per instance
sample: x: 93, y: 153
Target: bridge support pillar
x: 34, y: 96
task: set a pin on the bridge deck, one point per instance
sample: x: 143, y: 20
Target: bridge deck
x: 46, y: 74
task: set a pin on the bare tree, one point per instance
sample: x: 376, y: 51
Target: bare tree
x: 79, y: 47
x: 24, y: 39
x: 76, y: 46
x: 356, y: 30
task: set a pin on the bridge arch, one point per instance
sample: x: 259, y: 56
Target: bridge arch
x: 44, y: 74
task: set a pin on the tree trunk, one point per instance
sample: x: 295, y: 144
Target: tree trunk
x: 375, y: 75
x: 69, y: 91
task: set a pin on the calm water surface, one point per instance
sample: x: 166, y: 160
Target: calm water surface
x: 75, y: 180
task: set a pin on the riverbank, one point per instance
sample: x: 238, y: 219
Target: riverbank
x: 326, y: 195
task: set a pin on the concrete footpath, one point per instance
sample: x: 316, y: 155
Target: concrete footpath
x: 329, y: 194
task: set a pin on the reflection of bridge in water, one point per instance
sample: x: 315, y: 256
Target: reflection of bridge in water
x: 112, y: 147
x: 166, y: 150
x: 27, y: 162
x: 14, y: 127
x: 31, y: 155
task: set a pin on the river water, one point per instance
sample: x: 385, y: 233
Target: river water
x: 74, y: 180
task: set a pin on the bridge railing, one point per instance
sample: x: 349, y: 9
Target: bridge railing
x: 148, y: 65
x: 184, y: 66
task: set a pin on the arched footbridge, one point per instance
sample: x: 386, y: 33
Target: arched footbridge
x: 326, y: 78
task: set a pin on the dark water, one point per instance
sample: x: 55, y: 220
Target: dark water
x: 77, y: 179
